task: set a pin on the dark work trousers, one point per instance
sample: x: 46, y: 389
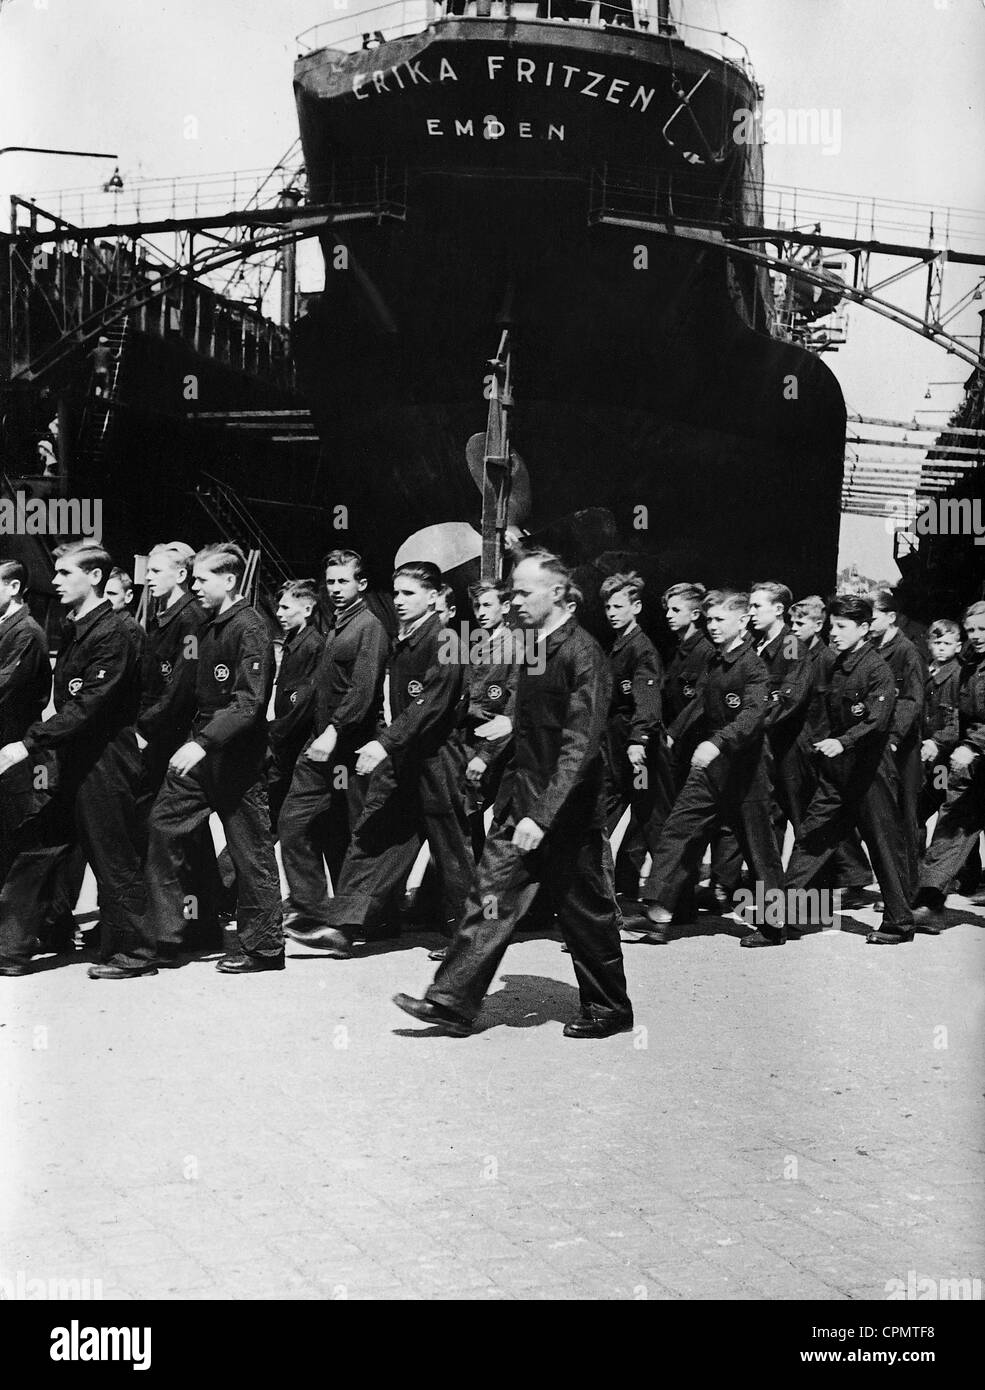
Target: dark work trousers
x: 205, y: 929
x: 18, y: 801
x: 650, y: 806
x: 95, y: 814
x: 680, y: 770
x: 956, y: 834
x: 848, y: 866
x: 856, y: 793
x: 183, y: 806
x: 726, y: 859
x: 794, y: 782
x: 476, y: 801
x: 726, y: 853
x: 576, y: 865
x: 280, y: 774
x: 909, y: 768
x: 540, y: 915
x: 720, y: 792
x: 933, y: 794
x: 315, y: 825
x: 402, y: 808
x: 936, y: 779
x: 58, y: 931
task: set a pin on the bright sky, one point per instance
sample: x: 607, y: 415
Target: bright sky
x: 904, y: 78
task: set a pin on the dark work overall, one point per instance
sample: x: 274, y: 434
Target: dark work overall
x: 91, y: 808
x: 294, y: 704
x: 962, y: 817
x: 167, y: 709
x: 636, y: 717
x: 25, y: 683
x: 232, y: 689
x: 325, y: 799
x: 734, y: 790
x: 858, y: 788
x: 417, y: 793
x: 903, y: 659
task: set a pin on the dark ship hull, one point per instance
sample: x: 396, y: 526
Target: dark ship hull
x: 646, y: 378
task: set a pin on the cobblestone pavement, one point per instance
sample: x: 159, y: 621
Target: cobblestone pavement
x: 796, y: 1123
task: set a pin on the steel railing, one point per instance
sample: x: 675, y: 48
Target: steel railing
x: 354, y: 26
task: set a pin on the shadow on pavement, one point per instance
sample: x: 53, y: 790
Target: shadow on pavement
x: 528, y: 1001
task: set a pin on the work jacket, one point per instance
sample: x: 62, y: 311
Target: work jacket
x: 25, y: 675
x: 556, y: 774
x: 96, y: 689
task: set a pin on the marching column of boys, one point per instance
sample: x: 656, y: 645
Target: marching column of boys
x: 400, y: 746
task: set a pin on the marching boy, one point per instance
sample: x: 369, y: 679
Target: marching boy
x: 858, y: 785
x: 729, y: 778
x: 221, y: 769
x: 290, y: 728
x: 638, y: 771
x: 962, y: 817
x: 940, y: 715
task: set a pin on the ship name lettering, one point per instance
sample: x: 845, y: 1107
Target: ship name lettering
x: 493, y: 129
x: 595, y: 84
x: 414, y: 69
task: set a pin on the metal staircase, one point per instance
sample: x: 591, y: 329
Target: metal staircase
x: 267, y: 570
x: 98, y: 415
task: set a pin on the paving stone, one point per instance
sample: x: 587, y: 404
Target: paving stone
x: 789, y: 1130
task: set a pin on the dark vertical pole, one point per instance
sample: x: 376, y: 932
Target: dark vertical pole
x: 289, y: 266
x: 64, y: 444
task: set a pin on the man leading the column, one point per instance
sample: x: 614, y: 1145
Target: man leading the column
x: 548, y: 826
